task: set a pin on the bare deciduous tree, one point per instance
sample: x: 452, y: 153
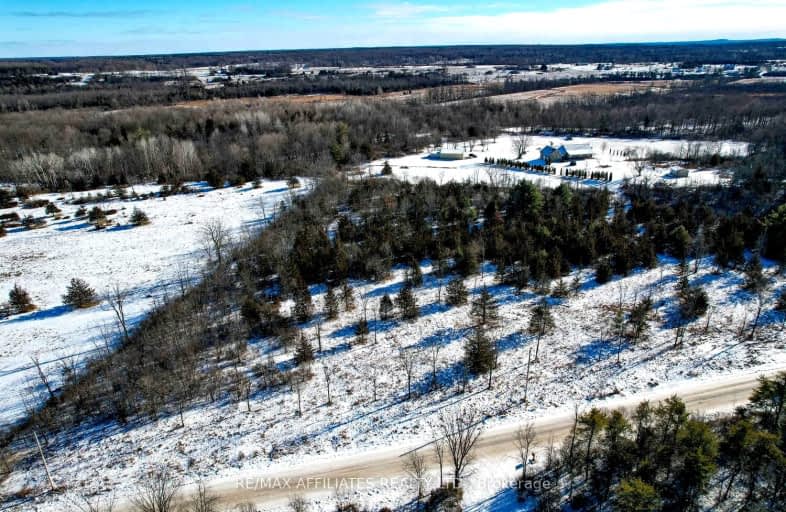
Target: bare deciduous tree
x: 215, y: 239
x: 44, y: 379
x: 156, y: 492
x: 439, y: 453
x: 524, y: 437
x: 520, y: 143
x: 184, y: 279
x: 460, y: 429
x: 95, y: 503
x: 202, y: 500
x: 298, y: 379
x: 117, y: 297
x: 407, y: 361
x: 415, y: 466
x: 433, y: 354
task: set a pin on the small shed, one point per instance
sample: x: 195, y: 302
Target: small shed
x: 450, y: 154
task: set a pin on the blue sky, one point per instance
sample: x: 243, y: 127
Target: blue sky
x: 82, y: 27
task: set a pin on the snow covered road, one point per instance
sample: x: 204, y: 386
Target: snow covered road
x: 355, y: 476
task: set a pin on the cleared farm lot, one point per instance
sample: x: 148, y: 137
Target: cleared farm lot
x: 144, y: 261
x: 623, y: 158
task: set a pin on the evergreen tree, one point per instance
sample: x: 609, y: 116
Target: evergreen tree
x: 79, y: 294
x: 638, y: 321
x: 347, y: 296
x: 541, y: 322
x: 602, y: 271
x: 386, y: 307
x: 415, y: 274
x: 304, y: 353
x: 331, y: 304
x: 683, y: 284
x: 406, y: 303
x: 361, y: 330
x: 755, y: 281
x: 635, y: 495
x: 97, y: 216
x: 250, y: 312
x: 479, y: 356
x: 590, y: 426
x: 139, y: 218
x: 693, y: 300
x: 729, y: 242
x: 304, y: 307
x: 521, y: 276
x: 52, y: 209
x: 20, y: 300
x: 680, y: 242
x: 697, y: 447
x: 618, y: 453
x: 484, y: 308
x: 456, y: 292
x: 561, y: 291
x: 694, y: 303
x: 468, y: 260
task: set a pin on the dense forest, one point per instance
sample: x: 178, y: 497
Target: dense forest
x: 711, y: 52
x: 83, y: 148
x: 21, y: 94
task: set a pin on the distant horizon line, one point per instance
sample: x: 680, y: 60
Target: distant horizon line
x: 717, y: 41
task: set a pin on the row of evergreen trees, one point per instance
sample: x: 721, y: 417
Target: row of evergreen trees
x: 583, y: 174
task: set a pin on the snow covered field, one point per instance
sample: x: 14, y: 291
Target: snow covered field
x: 578, y: 364
x: 609, y: 155
x: 145, y: 260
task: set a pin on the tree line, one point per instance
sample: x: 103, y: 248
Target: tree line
x: 659, y: 457
x: 82, y: 149
x: 691, y: 54
x: 121, y: 91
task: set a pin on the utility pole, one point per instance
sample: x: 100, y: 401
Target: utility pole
x: 43, y: 458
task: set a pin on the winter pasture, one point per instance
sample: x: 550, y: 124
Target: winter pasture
x: 147, y: 262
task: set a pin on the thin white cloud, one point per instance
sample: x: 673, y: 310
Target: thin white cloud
x: 85, y: 14
x: 615, y: 20
x: 405, y: 10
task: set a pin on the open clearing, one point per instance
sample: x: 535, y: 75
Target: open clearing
x: 146, y: 260
x: 615, y: 155
x: 571, y: 92
x: 545, y: 96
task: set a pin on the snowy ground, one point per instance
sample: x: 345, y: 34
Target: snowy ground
x: 222, y: 440
x: 610, y: 155
x: 577, y: 365
x: 144, y: 260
